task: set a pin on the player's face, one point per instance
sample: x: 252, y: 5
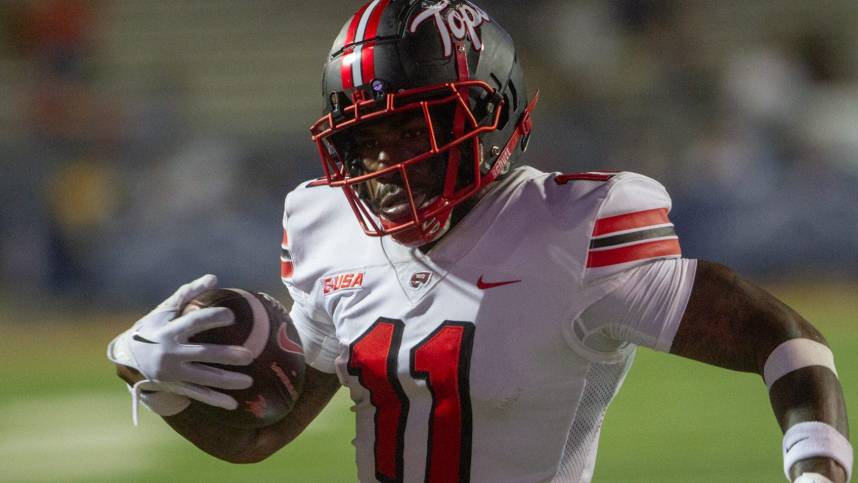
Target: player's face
x: 387, y: 143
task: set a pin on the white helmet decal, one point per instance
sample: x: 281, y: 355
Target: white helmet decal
x: 460, y: 21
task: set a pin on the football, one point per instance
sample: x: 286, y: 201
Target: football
x: 262, y: 325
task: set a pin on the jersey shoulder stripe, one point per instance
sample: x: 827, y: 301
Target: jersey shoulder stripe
x: 631, y: 226
x: 585, y: 176
x: 661, y: 248
x: 630, y: 221
x: 286, y: 266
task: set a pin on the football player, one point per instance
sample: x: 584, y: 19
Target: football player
x: 482, y: 314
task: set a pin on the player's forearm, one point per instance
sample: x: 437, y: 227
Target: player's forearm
x: 223, y: 442
x: 811, y: 394
x: 732, y: 323
x: 238, y: 445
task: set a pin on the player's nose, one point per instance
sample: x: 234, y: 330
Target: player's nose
x: 388, y: 155
x: 384, y: 161
x: 385, y: 156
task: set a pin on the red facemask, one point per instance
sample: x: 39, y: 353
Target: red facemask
x: 453, y: 146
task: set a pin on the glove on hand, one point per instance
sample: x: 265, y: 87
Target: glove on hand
x: 157, y: 346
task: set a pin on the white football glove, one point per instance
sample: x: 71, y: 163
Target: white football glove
x: 157, y: 346
x: 812, y: 478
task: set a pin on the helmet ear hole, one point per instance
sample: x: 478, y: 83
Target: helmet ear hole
x: 514, y: 93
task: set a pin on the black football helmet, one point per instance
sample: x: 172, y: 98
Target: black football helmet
x: 446, y: 61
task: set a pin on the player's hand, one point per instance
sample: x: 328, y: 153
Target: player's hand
x: 157, y: 347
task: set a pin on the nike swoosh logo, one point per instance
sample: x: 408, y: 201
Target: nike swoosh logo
x: 140, y: 338
x: 483, y: 285
x: 786, y: 450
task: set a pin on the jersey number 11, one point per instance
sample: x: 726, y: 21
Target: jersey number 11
x: 442, y: 359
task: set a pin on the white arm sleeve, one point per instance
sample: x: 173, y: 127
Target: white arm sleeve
x: 317, y: 338
x: 644, y: 307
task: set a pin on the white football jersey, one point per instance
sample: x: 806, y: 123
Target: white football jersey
x: 493, y: 357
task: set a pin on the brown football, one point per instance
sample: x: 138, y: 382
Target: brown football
x: 262, y: 325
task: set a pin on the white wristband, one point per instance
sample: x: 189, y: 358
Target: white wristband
x: 813, y: 439
x: 812, y: 478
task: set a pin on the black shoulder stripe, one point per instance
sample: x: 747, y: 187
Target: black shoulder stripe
x: 635, y: 236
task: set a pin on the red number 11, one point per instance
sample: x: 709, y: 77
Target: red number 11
x: 442, y: 359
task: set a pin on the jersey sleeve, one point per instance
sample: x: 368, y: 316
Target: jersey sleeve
x: 314, y: 326
x: 631, y: 227
x: 637, y: 281
x: 643, y: 306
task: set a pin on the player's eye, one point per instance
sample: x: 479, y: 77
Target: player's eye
x: 366, y: 145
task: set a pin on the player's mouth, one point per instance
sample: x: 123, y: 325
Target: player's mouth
x: 394, y: 205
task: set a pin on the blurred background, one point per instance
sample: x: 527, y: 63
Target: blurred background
x: 145, y: 142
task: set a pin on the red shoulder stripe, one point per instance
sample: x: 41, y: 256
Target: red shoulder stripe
x: 629, y: 221
x: 286, y: 266
x: 642, y: 251
x: 585, y: 176
x: 286, y: 269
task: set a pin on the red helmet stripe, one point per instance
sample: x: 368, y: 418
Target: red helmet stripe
x: 368, y: 52
x: 353, y: 27
x: 367, y: 63
x: 358, y: 61
x: 347, y: 57
x: 363, y: 25
x: 375, y: 19
x: 346, y: 70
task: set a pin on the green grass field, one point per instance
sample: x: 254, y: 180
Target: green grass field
x: 64, y: 417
